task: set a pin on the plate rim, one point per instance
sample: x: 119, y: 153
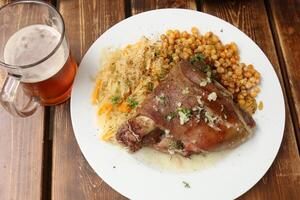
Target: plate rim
x: 216, y: 18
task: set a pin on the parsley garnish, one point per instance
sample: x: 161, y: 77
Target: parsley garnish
x: 161, y: 98
x: 197, y: 57
x: 132, y: 103
x: 115, y: 100
x: 184, y: 115
x: 171, y: 116
x: 176, y: 145
x: 186, y: 184
x: 206, y: 68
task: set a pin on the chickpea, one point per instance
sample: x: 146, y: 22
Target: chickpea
x: 253, y: 94
x: 220, y: 70
x: 171, y: 40
x: 176, y: 34
x: 223, y: 54
x: 177, y: 51
x: 169, y: 32
x: 217, y: 63
x: 184, y: 34
x: 195, y: 30
x: 208, y: 34
x: 247, y: 74
x: 163, y: 37
x: 231, y: 90
x: 238, y: 71
x: 214, y: 57
x: 229, y: 54
x: 240, y: 79
x: 233, y: 60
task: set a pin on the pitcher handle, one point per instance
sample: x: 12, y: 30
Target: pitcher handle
x: 8, y: 98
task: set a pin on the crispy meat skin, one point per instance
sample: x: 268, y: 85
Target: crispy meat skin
x: 231, y: 126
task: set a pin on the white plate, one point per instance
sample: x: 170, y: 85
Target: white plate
x: 229, y: 178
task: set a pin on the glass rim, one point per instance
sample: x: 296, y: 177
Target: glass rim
x: 57, y: 45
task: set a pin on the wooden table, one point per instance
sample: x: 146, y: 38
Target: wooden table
x: 39, y: 156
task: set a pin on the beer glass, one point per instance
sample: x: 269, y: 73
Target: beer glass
x: 35, y: 54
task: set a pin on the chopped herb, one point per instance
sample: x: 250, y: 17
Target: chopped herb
x: 210, y: 118
x: 115, y: 100
x: 197, y: 109
x: 171, y: 116
x: 206, y: 69
x: 150, y: 86
x: 161, y: 98
x: 156, y: 53
x: 179, y: 104
x: 155, y: 108
x: 185, y: 90
x: 199, y: 100
x: 132, y: 103
x: 184, y: 115
x: 208, y: 80
x: 212, y: 96
x: 186, y: 184
x: 208, y: 74
x: 197, y: 57
x: 176, y: 145
x: 203, y: 82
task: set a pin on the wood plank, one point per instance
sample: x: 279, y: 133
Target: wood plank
x: 72, y: 177
x: 145, y: 5
x: 286, y: 19
x: 21, y: 153
x: 282, y: 181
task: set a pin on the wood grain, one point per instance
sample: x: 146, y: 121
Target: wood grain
x: 282, y: 181
x: 72, y: 177
x: 145, y: 5
x: 285, y: 16
x: 21, y: 153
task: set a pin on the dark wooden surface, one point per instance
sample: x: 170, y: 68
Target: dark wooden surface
x: 251, y: 17
x: 285, y: 19
x: 72, y: 177
x: 274, y: 25
x: 21, y: 150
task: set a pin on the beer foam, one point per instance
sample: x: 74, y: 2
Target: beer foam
x: 30, y: 45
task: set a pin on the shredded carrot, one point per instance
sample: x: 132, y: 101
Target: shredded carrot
x: 105, y: 108
x: 107, y: 136
x: 123, y: 107
x: 96, y: 91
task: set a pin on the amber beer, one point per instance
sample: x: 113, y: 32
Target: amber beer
x: 51, y: 79
x: 57, y: 88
